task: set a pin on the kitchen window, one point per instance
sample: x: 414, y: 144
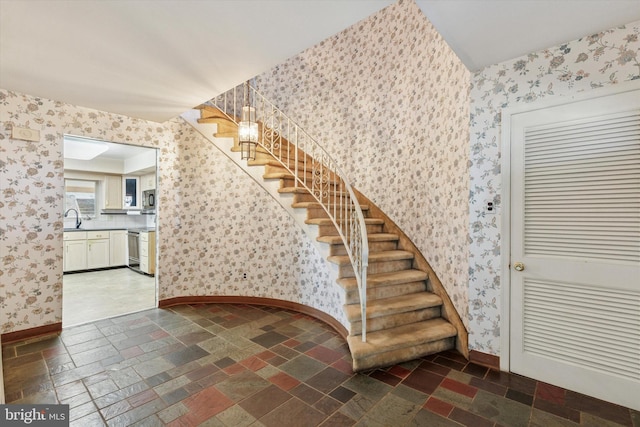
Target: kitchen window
x: 131, y: 187
x: 81, y: 196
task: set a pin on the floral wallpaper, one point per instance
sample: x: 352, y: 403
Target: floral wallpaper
x: 205, y: 244
x: 224, y: 225
x: 389, y: 101
x: 597, y: 60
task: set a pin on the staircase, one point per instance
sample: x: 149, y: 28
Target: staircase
x: 405, y: 319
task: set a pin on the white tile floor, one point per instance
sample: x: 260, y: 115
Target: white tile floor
x: 96, y: 295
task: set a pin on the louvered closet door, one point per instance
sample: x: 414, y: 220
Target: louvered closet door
x: 575, y: 226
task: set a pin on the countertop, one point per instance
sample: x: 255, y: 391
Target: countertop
x: 67, y: 230
x: 143, y: 229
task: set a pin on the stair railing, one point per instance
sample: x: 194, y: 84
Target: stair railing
x: 314, y: 170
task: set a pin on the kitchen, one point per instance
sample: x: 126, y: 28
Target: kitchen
x: 109, y: 229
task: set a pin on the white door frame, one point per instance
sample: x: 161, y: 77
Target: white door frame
x: 505, y: 198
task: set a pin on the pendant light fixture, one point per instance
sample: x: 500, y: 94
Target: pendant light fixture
x: 248, y: 128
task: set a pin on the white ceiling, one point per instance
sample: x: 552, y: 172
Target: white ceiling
x: 157, y: 59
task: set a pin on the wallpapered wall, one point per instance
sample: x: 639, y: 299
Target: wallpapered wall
x: 223, y: 224
x: 388, y: 99
x: 595, y: 61
x: 205, y: 245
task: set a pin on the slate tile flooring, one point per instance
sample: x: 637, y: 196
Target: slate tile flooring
x: 240, y: 365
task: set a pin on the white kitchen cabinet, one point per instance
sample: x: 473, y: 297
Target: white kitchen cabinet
x: 118, y: 248
x: 148, y: 252
x: 75, y: 251
x: 148, y: 182
x: 113, y: 192
x: 97, y: 249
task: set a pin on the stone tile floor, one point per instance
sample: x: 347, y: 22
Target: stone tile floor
x: 239, y: 365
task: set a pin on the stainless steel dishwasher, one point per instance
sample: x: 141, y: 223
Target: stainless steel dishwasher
x: 133, y: 238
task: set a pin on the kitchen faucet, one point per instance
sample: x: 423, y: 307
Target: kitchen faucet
x: 78, y: 220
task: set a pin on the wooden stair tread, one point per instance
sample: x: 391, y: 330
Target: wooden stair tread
x: 328, y: 221
x: 400, y: 337
x: 294, y: 190
x: 381, y: 256
x: 216, y: 120
x: 393, y: 305
x: 371, y: 237
x: 291, y: 163
x: 211, y: 112
x: 287, y: 175
x: 302, y: 190
x: 318, y: 205
x: 259, y: 149
x: 385, y: 279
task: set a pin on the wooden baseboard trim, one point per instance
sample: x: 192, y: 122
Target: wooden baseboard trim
x: 25, y: 334
x: 270, y: 302
x: 485, y: 359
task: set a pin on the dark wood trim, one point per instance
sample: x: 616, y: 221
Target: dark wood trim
x: 270, y: 302
x: 485, y: 359
x: 25, y: 334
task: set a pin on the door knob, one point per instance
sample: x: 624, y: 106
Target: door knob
x: 518, y: 266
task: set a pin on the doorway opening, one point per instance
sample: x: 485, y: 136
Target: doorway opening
x: 109, y: 194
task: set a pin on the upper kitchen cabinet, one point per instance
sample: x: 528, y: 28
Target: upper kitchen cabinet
x: 113, y: 192
x: 120, y: 172
x: 148, y: 182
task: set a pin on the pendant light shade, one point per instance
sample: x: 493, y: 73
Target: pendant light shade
x: 248, y: 128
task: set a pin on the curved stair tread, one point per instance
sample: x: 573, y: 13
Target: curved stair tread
x: 303, y: 190
x: 317, y: 205
x: 328, y: 221
x: 277, y: 164
x: 295, y: 190
x: 385, y: 279
x: 371, y: 237
x: 400, y: 337
x: 381, y: 256
x: 393, y: 305
x: 289, y: 176
x: 209, y: 112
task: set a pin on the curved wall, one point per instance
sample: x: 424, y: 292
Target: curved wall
x: 389, y: 100
x: 214, y: 222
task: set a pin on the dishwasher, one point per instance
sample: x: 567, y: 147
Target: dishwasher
x: 133, y: 238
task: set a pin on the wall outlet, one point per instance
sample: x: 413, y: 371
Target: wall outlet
x: 490, y: 208
x: 244, y: 275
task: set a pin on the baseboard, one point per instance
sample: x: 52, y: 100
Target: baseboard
x: 485, y: 359
x: 25, y: 334
x: 270, y: 302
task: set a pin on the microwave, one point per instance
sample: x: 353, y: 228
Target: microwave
x: 149, y: 199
